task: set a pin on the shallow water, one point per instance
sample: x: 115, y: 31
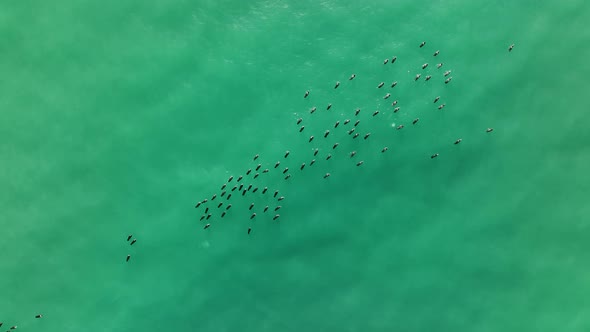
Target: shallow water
x: 117, y: 118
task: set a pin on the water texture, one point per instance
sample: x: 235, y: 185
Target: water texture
x: 117, y: 118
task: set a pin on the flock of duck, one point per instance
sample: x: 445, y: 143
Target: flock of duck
x: 219, y: 205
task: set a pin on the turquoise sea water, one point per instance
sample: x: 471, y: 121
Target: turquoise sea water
x: 116, y: 118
